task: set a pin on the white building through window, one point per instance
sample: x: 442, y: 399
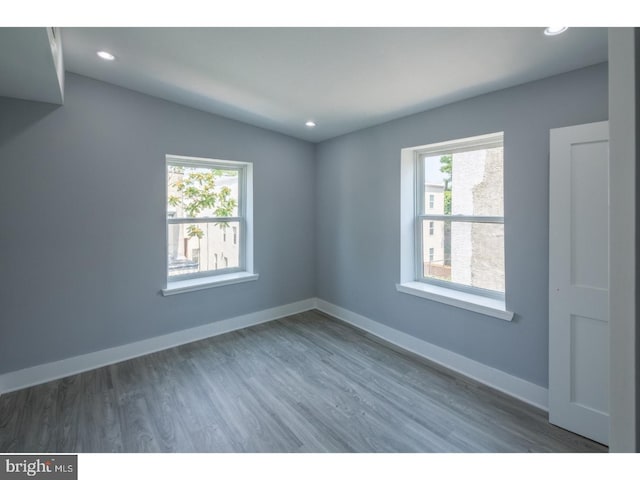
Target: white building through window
x: 206, y: 198
x: 457, y: 215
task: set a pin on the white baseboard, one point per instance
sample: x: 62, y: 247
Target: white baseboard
x: 38, y: 374
x: 511, y: 385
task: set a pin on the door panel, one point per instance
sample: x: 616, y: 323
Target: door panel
x: 579, y: 280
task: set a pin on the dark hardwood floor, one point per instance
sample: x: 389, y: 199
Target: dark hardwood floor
x: 306, y: 383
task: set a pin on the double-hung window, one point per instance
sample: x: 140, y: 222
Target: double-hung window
x: 459, y: 197
x: 208, y: 204
x: 453, y: 227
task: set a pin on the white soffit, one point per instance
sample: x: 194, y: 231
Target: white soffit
x: 31, y: 65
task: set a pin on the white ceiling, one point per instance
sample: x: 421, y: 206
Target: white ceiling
x: 343, y: 78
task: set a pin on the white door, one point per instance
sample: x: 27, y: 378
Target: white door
x: 579, y: 280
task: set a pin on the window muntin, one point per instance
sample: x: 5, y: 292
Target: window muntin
x: 205, y: 201
x: 460, y: 215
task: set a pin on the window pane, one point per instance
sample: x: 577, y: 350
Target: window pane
x: 203, y: 247
x: 198, y: 192
x: 467, y: 253
x: 466, y: 183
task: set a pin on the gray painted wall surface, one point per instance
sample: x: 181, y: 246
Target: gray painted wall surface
x: 637, y: 222
x: 82, y: 245
x: 636, y: 32
x: 358, y: 206
x: 623, y: 173
x: 83, y: 189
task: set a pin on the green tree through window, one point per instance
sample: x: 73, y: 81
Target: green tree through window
x: 196, y: 193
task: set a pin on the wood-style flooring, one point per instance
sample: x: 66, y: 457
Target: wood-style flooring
x: 305, y: 383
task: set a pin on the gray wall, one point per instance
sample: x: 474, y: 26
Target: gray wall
x: 622, y: 238
x: 82, y: 246
x: 358, y: 207
x: 636, y: 239
x: 82, y: 252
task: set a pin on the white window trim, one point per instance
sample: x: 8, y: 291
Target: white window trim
x: 194, y: 284
x: 246, y: 271
x: 494, y: 307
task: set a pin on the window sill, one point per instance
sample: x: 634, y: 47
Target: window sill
x: 468, y: 301
x: 194, y: 284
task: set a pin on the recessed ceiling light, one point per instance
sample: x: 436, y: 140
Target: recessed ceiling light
x: 551, y: 31
x: 310, y: 124
x: 106, y: 55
